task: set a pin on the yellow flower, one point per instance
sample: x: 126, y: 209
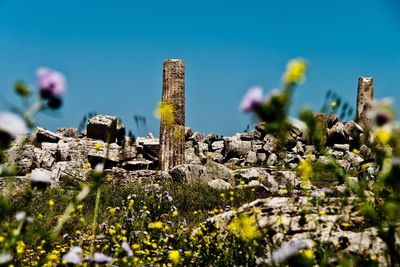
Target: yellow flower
x: 174, y: 256
x: 321, y: 212
x: 109, y: 179
x: 112, y: 231
x: 88, y: 165
x: 295, y: 71
x: 165, y: 112
x: 333, y: 104
x: 305, y: 169
x: 97, y: 146
x: 175, y: 213
x: 308, y: 253
x: 245, y: 227
x: 156, y: 225
x: 40, y: 216
x: 79, y: 207
x: 135, y: 246
x: 1, y: 238
x: 112, y: 211
x: 383, y: 135
x: 20, y: 247
x: 51, y: 203
x: 52, y: 257
x: 355, y: 151
x: 242, y: 182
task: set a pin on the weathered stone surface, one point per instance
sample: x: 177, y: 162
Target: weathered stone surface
x: 70, y: 172
x: 23, y: 157
x: 337, y: 134
x: 191, y: 157
x: 251, y: 157
x: 261, y: 157
x: 134, y: 165
x: 19, y: 184
x: 236, y: 148
x: 250, y: 174
x: 272, y: 159
x: 341, y: 147
x: 365, y: 96
x: 151, y: 147
x: 217, y: 145
x: 50, y: 147
x: 219, y: 184
x: 189, y: 173
x: 270, y: 143
x: 41, y: 135
x: 102, y: 127
x: 71, y: 149
x: 68, y: 132
x: 45, y: 159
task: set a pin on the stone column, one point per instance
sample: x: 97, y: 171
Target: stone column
x: 172, y: 136
x: 365, y: 95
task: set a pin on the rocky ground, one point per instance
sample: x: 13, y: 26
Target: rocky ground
x: 249, y: 159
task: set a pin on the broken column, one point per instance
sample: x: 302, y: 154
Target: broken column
x: 172, y: 135
x: 365, y: 96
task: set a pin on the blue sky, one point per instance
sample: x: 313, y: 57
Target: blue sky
x: 112, y: 53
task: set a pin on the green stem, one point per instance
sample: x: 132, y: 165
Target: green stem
x: 95, y: 215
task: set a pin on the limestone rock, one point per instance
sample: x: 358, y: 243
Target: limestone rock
x: 41, y: 135
x: 102, y: 127
x: 219, y: 184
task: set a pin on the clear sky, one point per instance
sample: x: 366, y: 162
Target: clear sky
x: 112, y: 53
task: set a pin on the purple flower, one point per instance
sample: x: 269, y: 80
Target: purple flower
x: 74, y: 256
x: 52, y: 83
x: 100, y: 257
x: 127, y: 248
x: 251, y: 99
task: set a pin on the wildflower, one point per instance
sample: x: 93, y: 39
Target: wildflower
x: 97, y: 146
x: 383, y: 134
x: 51, y: 203
x: 156, y: 225
x: 242, y: 182
x: 12, y: 124
x: 112, y: 231
x: 251, y: 99
x: 165, y: 112
x: 244, y: 226
x: 52, y: 83
x: 112, y: 211
x: 20, y: 247
x: 371, y: 170
x: 126, y: 247
x: 308, y: 253
x: 135, y: 246
x: 21, y: 215
x: 174, y: 256
x: 4, y: 258
x: 305, y: 170
x: 321, y: 212
x: 295, y: 71
x: 109, y: 179
x: 333, y: 104
x: 288, y: 250
x: 102, y: 258
x: 355, y: 151
x: 175, y: 213
x: 40, y: 178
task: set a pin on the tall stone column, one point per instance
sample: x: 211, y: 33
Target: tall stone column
x: 172, y: 136
x: 365, y: 95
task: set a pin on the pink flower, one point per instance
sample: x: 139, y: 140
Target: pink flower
x: 52, y: 83
x: 251, y: 99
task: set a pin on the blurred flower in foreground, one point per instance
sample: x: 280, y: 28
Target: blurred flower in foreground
x: 381, y: 112
x: 174, y: 256
x: 52, y: 83
x: 305, y: 171
x: 5, y: 258
x: 40, y: 178
x: 100, y: 257
x: 251, y: 99
x: 288, y: 250
x: 295, y: 71
x: 383, y: 134
x: 245, y: 227
x: 165, y: 112
x: 126, y: 247
x: 12, y: 124
x: 74, y: 256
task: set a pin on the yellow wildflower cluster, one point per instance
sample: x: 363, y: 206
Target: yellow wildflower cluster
x: 305, y: 170
x: 295, y: 71
x: 165, y: 112
x: 245, y: 227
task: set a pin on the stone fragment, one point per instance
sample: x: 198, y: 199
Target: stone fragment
x: 217, y: 145
x: 219, y: 184
x: 102, y: 127
x: 236, y: 148
x: 270, y: 143
x: 251, y: 157
x: 68, y: 132
x: 41, y: 135
x: 23, y: 157
x: 191, y: 157
x: 272, y: 159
